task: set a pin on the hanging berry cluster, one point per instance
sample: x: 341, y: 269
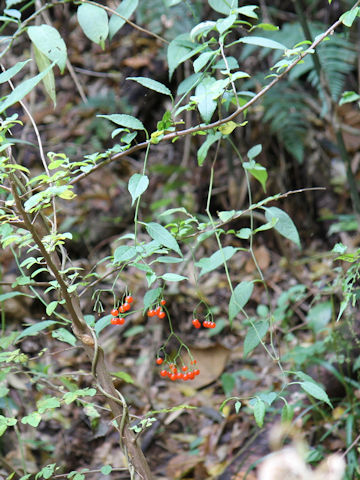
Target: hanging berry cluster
x: 158, y: 311
x: 175, y: 373
x: 205, y: 324
x: 116, y: 313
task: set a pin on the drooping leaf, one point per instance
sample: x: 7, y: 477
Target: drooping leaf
x: 285, y: 226
x: 51, y: 307
x: 204, y: 98
x: 259, y: 412
x: 151, y: 84
x: 125, y: 9
x: 49, y: 42
x: 254, y: 336
x: 203, y: 150
x: 11, y: 72
x: 179, y: 50
x: 124, y: 120
x: 316, y: 391
x: 151, y: 297
x: 23, y: 89
x: 239, y: 298
x: 36, y: 328
x: 102, y: 323
x: 137, y: 185
x: 65, y: 336
x: 257, y: 171
x: 163, y: 236
x: 208, y: 264
x: 6, y: 296
x: 94, y: 23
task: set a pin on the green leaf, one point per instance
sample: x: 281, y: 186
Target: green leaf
x: 285, y: 226
x: 348, y: 17
x: 48, y: 403
x: 224, y: 24
x: 204, y: 98
x: 6, y: 296
x: 203, y: 150
x: 257, y: 171
x: 137, y: 185
x: 254, y: 335
x: 151, y: 297
x: 134, y: 331
x: 124, y: 376
x: 70, y: 397
x: 11, y: 72
x: 22, y: 90
x: 348, y: 97
x: 237, y: 406
x: 6, y: 422
x: 228, y: 383
x: 49, y: 42
x: 223, y: 6
x: 259, y: 412
x: 107, y: 469
x: 3, y: 390
x: 263, y: 42
x: 51, y: 307
x: 32, y: 419
x: 65, y: 336
x: 162, y: 236
x: 94, y: 22
x: 151, y: 84
x: 179, y: 50
x: 316, y: 391
x: 49, y: 80
x: 287, y: 413
x: 254, y: 151
x: 202, y: 60
x: 35, y: 329
x: 248, y: 11
x: 208, y: 264
x: 239, y: 298
x: 124, y: 120
x: 102, y: 323
x: 125, y: 9
x: 124, y: 253
x: 169, y: 260
x: 172, y: 277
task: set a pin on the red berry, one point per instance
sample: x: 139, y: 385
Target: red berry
x: 193, y: 362
x: 129, y: 299
x: 163, y: 302
x: 173, y: 376
x: 191, y: 375
x: 179, y: 376
x: 121, y: 321
x: 163, y: 373
x: 185, y: 376
x: 213, y: 324
x: 162, y: 315
x: 121, y: 309
x: 206, y: 323
x: 114, y: 312
x: 184, y: 368
x: 196, y: 323
x: 196, y: 371
x: 113, y: 320
x: 126, y: 307
x: 158, y: 311
x: 159, y: 360
x: 151, y: 313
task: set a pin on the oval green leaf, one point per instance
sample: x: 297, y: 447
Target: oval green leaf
x: 159, y: 233
x: 151, y: 84
x: 137, y: 185
x: 94, y: 23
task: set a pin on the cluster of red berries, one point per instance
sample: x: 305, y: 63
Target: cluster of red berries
x: 158, y: 311
x: 205, y: 324
x: 174, y: 374
x: 125, y: 307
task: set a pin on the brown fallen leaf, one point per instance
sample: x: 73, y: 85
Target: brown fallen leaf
x: 211, y: 361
